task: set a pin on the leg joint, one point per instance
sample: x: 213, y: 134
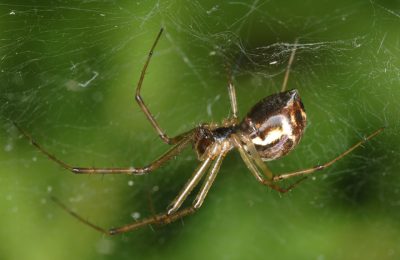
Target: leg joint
x: 138, y: 98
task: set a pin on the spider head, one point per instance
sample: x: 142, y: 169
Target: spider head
x: 203, y: 138
x: 276, y: 124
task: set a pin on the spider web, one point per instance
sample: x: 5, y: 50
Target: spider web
x: 68, y: 72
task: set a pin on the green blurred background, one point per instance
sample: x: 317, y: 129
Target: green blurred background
x: 68, y: 72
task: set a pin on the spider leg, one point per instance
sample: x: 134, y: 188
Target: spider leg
x: 142, y: 105
x: 256, y: 157
x: 327, y: 164
x: 210, y: 178
x: 81, y: 219
x: 197, y: 176
x: 232, y: 93
x: 160, y: 219
x: 167, y: 218
x: 256, y: 173
x: 175, y: 150
x: 189, y: 186
x: 291, y: 58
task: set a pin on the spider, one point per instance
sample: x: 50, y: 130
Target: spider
x: 271, y: 129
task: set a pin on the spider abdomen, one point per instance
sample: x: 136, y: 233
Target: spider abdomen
x: 276, y: 124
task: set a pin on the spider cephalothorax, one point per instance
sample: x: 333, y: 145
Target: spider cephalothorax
x: 202, y: 139
x: 205, y: 136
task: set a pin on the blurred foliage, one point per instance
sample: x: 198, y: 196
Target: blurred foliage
x: 68, y: 72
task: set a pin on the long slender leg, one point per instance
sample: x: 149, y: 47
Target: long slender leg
x: 257, y: 159
x: 168, y: 218
x: 128, y: 170
x: 256, y: 173
x: 142, y: 105
x: 260, y: 178
x: 158, y: 219
x: 286, y: 78
x: 189, y: 186
x: 327, y: 164
x: 172, y: 152
x: 210, y: 178
x: 84, y: 221
x: 164, y: 218
x: 232, y: 94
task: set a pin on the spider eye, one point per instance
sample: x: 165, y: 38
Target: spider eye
x: 275, y: 124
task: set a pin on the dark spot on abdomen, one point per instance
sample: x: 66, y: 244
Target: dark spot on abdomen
x: 299, y: 118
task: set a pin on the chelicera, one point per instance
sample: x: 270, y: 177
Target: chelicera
x: 272, y: 128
